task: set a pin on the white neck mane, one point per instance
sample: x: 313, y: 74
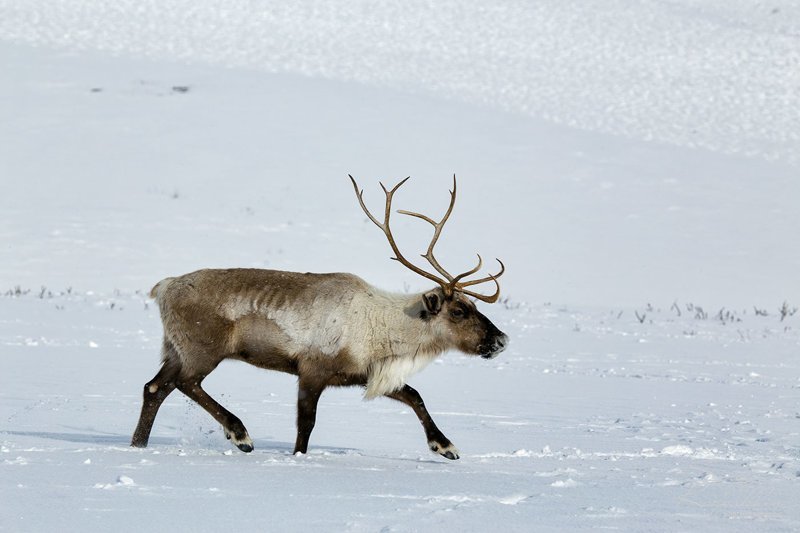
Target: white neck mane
x: 401, y: 343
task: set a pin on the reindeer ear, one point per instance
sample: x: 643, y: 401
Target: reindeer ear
x: 432, y: 301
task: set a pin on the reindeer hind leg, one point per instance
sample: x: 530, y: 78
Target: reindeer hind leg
x: 155, y: 392
x: 233, y: 427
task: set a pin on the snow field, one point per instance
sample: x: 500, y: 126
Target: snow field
x: 590, y: 419
x: 720, y: 74
x: 633, y: 163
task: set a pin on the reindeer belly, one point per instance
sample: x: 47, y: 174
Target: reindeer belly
x: 265, y: 343
x: 261, y: 342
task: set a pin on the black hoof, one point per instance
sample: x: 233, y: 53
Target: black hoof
x: 450, y: 455
x: 246, y: 448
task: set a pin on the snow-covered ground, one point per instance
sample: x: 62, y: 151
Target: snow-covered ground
x: 633, y: 163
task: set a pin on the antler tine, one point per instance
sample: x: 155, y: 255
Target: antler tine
x: 360, y: 196
x: 388, y: 232
x: 436, y: 232
x: 490, y: 277
x: 482, y: 297
x: 455, y: 281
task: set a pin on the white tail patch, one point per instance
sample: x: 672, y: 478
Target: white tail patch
x: 388, y: 375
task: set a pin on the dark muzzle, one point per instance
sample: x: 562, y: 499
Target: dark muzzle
x: 493, y: 345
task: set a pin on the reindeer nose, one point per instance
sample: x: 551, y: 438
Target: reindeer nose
x: 501, y: 342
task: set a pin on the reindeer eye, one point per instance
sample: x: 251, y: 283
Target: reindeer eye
x: 457, y: 312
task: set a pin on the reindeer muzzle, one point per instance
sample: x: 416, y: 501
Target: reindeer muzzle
x: 492, y: 349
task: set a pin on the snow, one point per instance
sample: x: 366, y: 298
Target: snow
x: 720, y: 74
x: 634, y: 164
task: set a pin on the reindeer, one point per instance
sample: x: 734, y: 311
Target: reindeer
x: 327, y: 329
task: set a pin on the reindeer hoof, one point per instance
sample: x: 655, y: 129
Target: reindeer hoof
x: 136, y: 443
x: 449, y: 451
x: 243, y: 443
x: 246, y: 448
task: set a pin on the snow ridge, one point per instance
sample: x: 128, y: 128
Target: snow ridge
x: 718, y: 75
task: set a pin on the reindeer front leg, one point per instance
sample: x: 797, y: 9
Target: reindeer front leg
x: 437, y: 442
x: 307, y: 398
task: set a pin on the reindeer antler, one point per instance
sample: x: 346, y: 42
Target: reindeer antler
x: 437, y: 231
x: 491, y: 277
x: 388, y: 232
x: 451, y: 283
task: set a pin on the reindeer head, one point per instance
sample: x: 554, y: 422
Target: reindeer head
x: 448, y: 307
